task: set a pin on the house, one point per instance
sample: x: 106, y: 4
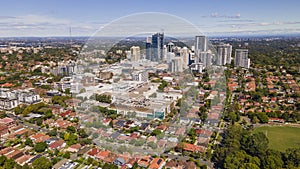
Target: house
x: 59, y: 144
x: 102, y: 154
x: 277, y: 120
x: 213, y: 118
x: 203, y: 133
x: 93, y: 152
x: 3, y: 130
x: 162, y: 143
x: 145, y: 161
x: 232, y: 86
x: 162, y: 127
x: 15, y: 154
x: 74, y: 148
x: 175, y: 164
x: 115, y: 135
x: 180, y: 131
x: 119, y: 161
x: 157, y: 163
x: 66, y: 113
x: 9, y: 122
x: 106, y: 121
x: 36, y: 136
x: 23, y: 159
x: 144, y: 126
x: 6, y: 150
x: 193, y: 148
x: 190, y: 165
x: 152, y: 139
x: 110, y: 158
x: 40, y: 137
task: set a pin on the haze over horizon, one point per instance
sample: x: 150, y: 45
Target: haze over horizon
x: 214, y: 18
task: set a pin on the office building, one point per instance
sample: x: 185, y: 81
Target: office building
x: 241, y: 58
x: 154, y: 50
x: 206, y: 58
x: 148, y: 48
x: 135, y: 54
x: 184, y: 54
x: 176, y: 65
x: 223, y: 54
x: 170, y: 46
x: 200, y: 43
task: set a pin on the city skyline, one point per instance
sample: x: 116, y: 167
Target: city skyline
x: 214, y: 18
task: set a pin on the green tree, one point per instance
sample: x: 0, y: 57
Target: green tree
x: 2, y: 160
x: 263, y: 118
x: 109, y: 166
x: 71, y: 129
x: 203, y: 115
x: 256, y: 144
x: 156, y: 132
x: 67, y: 155
x: 28, y: 142
x: 135, y: 165
x: 9, y: 164
x: 42, y: 163
x: 40, y: 147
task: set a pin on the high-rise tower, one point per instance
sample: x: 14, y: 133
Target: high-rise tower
x: 241, y: 58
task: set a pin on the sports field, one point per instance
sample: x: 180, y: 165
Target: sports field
x: 281, y: 137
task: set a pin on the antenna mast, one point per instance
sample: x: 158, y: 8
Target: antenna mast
x: 70, y: 32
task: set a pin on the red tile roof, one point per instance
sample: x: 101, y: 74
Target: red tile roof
x: 93, y: 152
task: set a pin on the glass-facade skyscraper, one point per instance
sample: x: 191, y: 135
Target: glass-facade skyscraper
x: 154, y: 50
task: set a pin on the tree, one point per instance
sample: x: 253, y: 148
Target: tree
x: 9, y: 163
x: 256, y: 144
x: 233, y: 117
x: 162, y: 85
x: 39, y: 121
x: 68, y: 91
x: 2, y: 160
x: 52, y: 132
x: 203, y: 116
x: 71, y: 129
x: 156, y: 132
x: 28, y: 142
x: 67, y: 155
x: 42, y: 163
x: 135, y: 165
x: 82, y: 133
x: 109, y: 166
x: 70, y: 138
x: 238, y: 160
x: 111, y: 124
x: 40, y: 147
x: 263, y: 118
x: 292, y: 157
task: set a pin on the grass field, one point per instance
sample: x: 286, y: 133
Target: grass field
x: 281, y: 137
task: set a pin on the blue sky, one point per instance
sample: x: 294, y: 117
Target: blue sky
x: 213, y: 17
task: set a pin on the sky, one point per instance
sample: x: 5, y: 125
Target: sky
x: 21, y: 18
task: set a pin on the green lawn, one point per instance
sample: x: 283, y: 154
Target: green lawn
x: 281, y: 137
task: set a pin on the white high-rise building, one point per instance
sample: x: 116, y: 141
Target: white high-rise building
x: 141, y: 76
x: 170, y: 56
x: 206, y: 58
x: 176, y: 65
x: 241, y: 58
x: 200, y: 46
x: 135, y: 54
x: 224, y: 54
x: 200, y: 43
x: 184, y: 54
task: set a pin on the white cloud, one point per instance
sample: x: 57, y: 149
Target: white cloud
x: 41, y: 25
